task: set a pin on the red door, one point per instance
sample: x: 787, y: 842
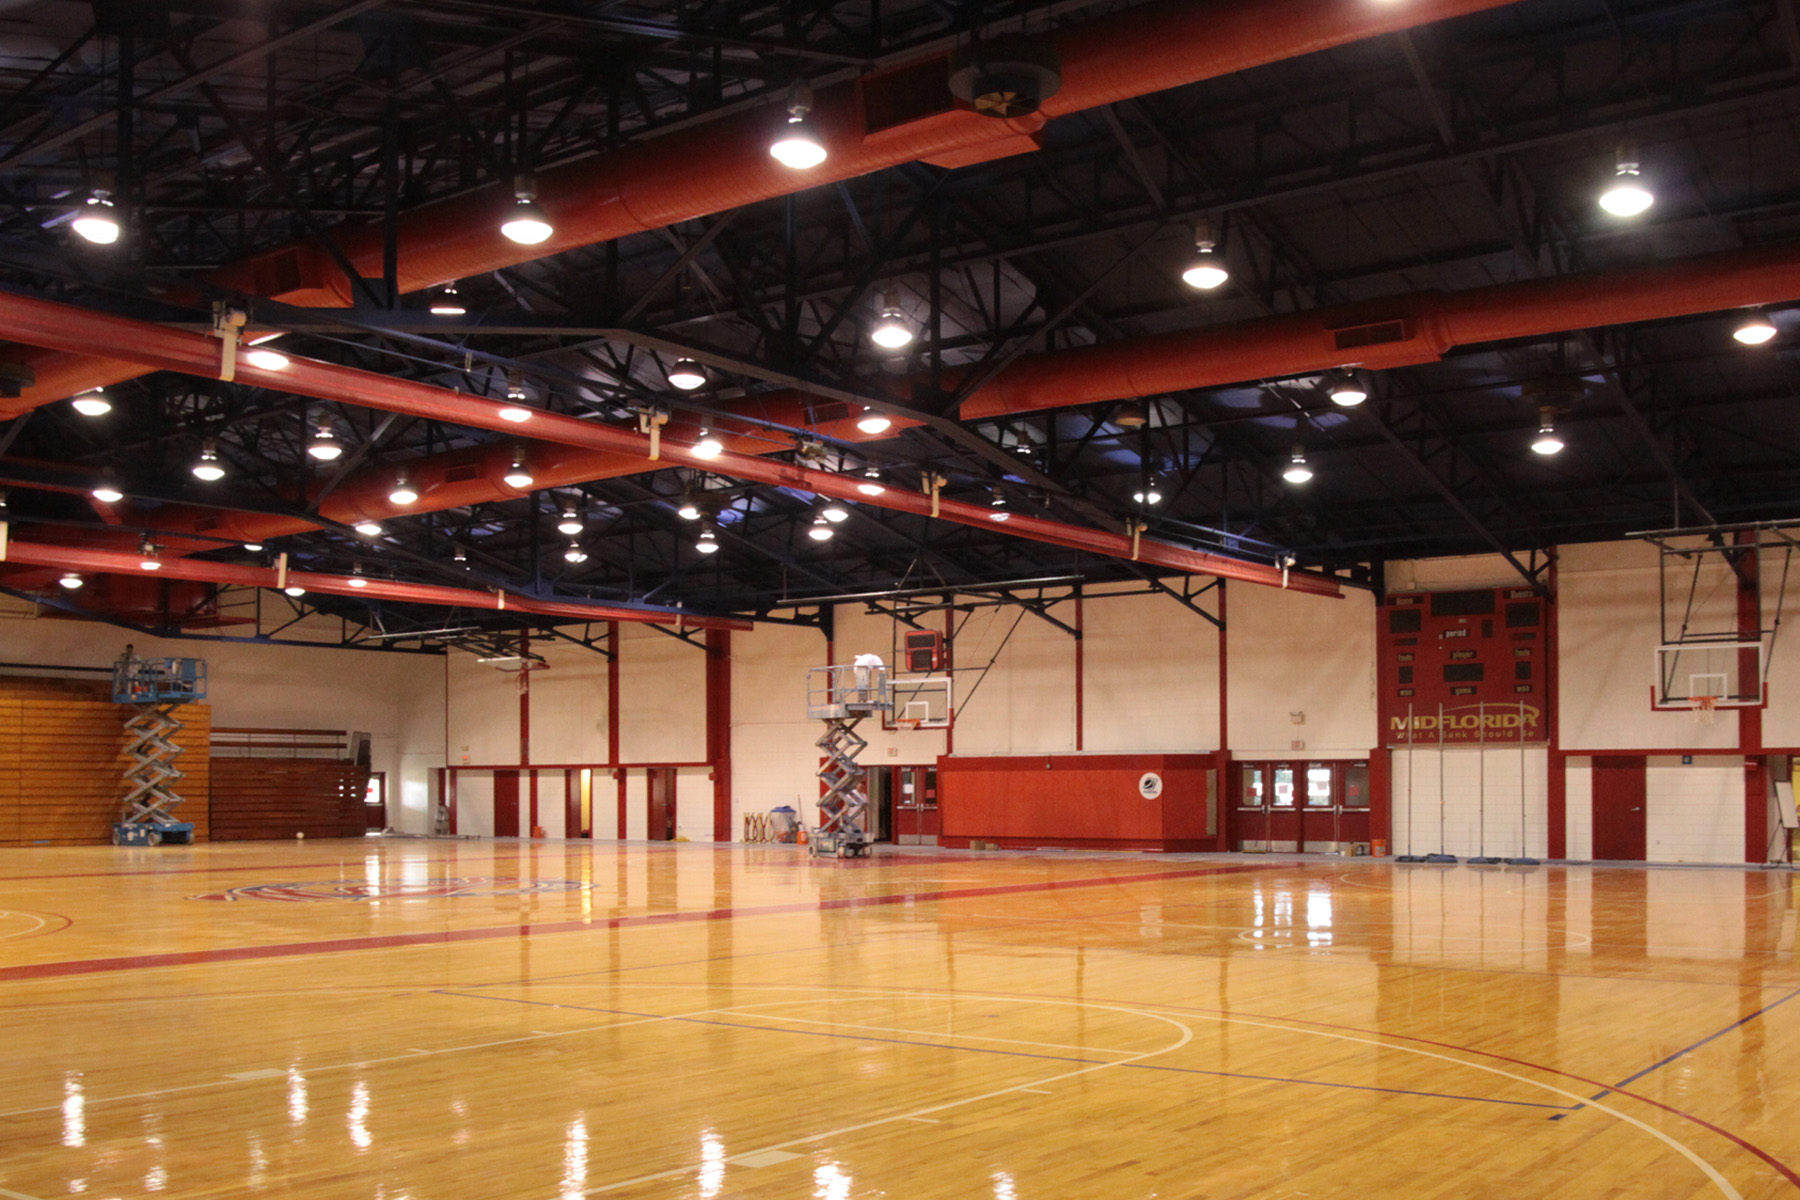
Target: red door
x: 916, y: 819
x: 662, y: 804
x: 1251, y: 818
x: 1619, y: 809
x: 506, y: 804
x: 375, y: 801
x: 1283, y: 818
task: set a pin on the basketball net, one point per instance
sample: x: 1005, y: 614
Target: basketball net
x: 906, y: 723
x: 1706, y: 708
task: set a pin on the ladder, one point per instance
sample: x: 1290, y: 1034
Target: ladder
x: 842, y: 697
x: 155, y: 687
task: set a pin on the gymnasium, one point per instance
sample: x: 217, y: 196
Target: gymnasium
x: 1033, y: 599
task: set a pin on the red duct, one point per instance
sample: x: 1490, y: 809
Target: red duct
x: 895, y: 116
x: 59, y: 326
x: 114, y: 562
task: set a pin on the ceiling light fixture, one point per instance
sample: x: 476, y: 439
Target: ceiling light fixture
x: 253, y: 547
x: 821, y: 530
x: 448, y: 303
x: 519, y: 476
x: 891, y: 331
x: 356, y: 577
x: 525, y: 222
x: 835, y: 512
x: 98, y: 221
x: 871, y: 484
x: 570, y: 525
x: 404, y: 493
x: 147, y: 555
x: 71, y: 581
x: 1627, y: 196
x: 575, y: 554
x: 268, y: 360
x: 208, y: 467
x: 324, y: 445
x: 293, y: 589
x: 1755, y: 330
x: 1297, y: 470
x: 689, y: 510
x: 997, y: 506
x: 1346, y: 389
x: 687, y: 374
x: 1207, y: 271
x: 92, y: 403
x: 1149, y: 492
x: 707, y: 542
x: 460, y: 556
x: 708, y: 446
x: 1131, y: 415
x: 1547, y: 441
x: 797, y: 143
x: 874, y: 422
x: 368, y: 528
x: 107, y: 492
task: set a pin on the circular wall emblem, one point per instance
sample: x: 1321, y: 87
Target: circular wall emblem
x: 362, y: 889
x: 1150, y: 785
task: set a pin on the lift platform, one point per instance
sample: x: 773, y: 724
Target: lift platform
x: 155, y: 687
x: 842, y: 696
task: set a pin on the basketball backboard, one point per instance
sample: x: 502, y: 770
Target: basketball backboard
x: 925, y: 699
x: 1720, y: 674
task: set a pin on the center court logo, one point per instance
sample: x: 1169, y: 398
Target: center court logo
x: 428, y: 889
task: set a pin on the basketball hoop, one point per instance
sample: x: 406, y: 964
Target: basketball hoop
x: 906, y: 724
x: 1706, y: 708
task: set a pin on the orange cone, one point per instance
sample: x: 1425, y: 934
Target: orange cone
x: 800, y: 838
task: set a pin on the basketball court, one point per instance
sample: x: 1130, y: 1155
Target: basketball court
x: 417, y: 1019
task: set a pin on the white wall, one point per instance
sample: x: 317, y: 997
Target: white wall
x: 568, y: 706
x: 1475, y: 786
x: 662, y: 698
x: 1694, y: 813
x: 1608, y: 627
x: 1151, y: 672
x: 1024, y: 702
x: 1578, y: 812
x: 1292, y: 653
x: 481, y: 712
x: 773, y: 759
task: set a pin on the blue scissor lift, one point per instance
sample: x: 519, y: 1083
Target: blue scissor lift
x: 156, y: 687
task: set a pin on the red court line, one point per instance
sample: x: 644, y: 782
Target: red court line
x: 5, y: 879
x: 96, y: 966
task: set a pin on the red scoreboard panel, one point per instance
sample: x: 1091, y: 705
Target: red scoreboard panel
x: 1464, y: 667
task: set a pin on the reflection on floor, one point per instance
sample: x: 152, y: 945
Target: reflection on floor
x: 409, y: 1020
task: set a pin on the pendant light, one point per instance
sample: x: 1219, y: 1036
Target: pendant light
x: 71, y: 580
x: 835, y: 512
x: 107, y: 492
x: 892, y: 331
x: 871, y: 484
x: 293, y: 589
x: 519, y: 476
x: 1756, y: 330
x: 147, y: 559
x: 1627, y: 196
x: 687, y: 374
x: 997, y: 510
x: 821, y: 530
x: 92, y: 403
x: 1547, y: 441
x: 356, y: 576
x: 708, y: 446
x: 447, y: 303
x: 575, y: 554
x: 1297, y: 470
x: 873, y: 422
x: 707, y: 542
x: 525, y: 222
x: 1208, y: 270
x: 324, y: 445
x: 208, y: 467
x: 1346, y: 389
x: 797, y: 145
x: 368, y: 528
x: 403, y: 492
x: 98, y: 221
x: 571, y: 523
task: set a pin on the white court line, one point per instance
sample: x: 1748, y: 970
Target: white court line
x: 1038, y: 1091
x: 923, y: 1120
x: 20, y: 934
x: 1719, y: 1181
x: 1187, y: 1035
x: 967, y: 1037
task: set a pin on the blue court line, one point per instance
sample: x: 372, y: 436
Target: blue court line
x: 1686, y: 1050
x: 1091, y: 1062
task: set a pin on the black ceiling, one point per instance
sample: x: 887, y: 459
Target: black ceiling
x: 1456, y: 156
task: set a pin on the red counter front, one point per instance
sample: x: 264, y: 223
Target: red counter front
x: 1090, y: 801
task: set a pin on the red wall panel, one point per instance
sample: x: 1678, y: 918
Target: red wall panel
x: 1077, y: 800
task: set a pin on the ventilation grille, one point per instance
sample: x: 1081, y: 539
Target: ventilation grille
x: 1381, y: 333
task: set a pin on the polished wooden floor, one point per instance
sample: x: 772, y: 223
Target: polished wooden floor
x: 413, y: 1020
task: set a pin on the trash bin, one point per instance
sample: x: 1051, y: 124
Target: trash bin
x: 785, y: 823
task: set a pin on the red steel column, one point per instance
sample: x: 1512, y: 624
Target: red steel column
x: 1080, y: 674
x: 718, y: 729
x: 1556, y: 764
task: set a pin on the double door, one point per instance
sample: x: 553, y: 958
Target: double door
x: 1312, y: 807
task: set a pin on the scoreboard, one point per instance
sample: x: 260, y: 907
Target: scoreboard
x: 1462, y: 668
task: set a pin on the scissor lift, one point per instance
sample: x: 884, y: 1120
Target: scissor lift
x: 156, y: 687
x: 842, y: 697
